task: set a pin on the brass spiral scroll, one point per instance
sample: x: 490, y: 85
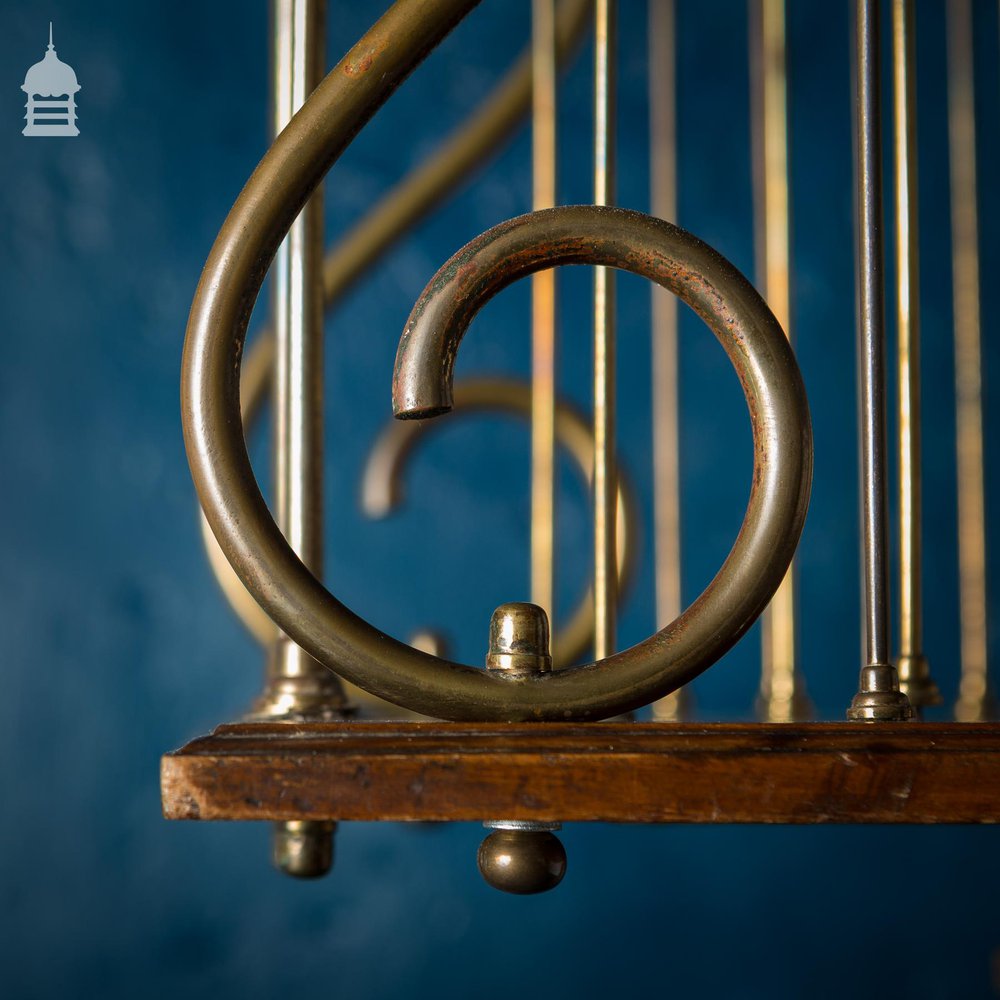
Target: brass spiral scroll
x: 239, y: 517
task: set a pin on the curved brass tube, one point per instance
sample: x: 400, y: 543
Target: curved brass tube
x: 458, y: 155
x: 255, y: 382
x: 295, y: 600
x: 365, y: 243
x: 382, y: 484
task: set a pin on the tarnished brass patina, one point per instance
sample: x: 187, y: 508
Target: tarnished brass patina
x: 239, y: 516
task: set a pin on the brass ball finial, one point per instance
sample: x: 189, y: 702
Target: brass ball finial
x: 519, y: 640
x: 522, y: 861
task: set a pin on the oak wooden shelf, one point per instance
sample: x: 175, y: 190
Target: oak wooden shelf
x: 628, y: 773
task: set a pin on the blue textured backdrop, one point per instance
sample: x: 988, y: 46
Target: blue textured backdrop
x: 116, y: 645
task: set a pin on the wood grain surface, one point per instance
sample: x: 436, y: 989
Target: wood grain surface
x: 629, y: 773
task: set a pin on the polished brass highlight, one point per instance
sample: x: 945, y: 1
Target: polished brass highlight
x: 663, y: 341
x: 605, y: 477
x: 782, y: 696
x: 878, y: 697
x: 382, y: 487
x: 543, y: 311
x: 975, y: 699
x: 915, y: 679
x: 519, y: 640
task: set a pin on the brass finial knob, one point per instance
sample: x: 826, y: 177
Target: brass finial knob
x: 522, y: 858
x: 303, y: 848
x: 519, y: 640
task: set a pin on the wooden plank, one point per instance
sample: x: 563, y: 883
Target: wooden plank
x: 629, y: 773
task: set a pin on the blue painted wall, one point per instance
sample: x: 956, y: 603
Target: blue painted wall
x: 116, y: 645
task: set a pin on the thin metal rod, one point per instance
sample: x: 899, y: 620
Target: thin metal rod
x: 605, y: 476
x: 975, y: 699
x: 914, y: 671
x: 543, y: 311
x: 297, y: 683
x: 878, y: 696
x: 666, y: 406
x: 782, y: 691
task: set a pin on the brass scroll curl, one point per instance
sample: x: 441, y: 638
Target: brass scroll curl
x: 381, y: 485
x: 238, y: 515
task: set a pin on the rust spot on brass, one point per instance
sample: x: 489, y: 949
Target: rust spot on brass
x: 360, y: 63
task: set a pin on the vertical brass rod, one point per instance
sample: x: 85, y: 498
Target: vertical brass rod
x: 666, y: 407
x: 297, y: 684
x: 878, y: 697
x: 543, y: 310
x: 782, y: 692
x: 298, y: 323
x: 974, y: 700
x: 605, y: 475
x: 914, y: 671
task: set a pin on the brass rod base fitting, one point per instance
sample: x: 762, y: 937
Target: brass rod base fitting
x: 303, y: 848
x: 297, y: 688
x: 879, y: 698
x: 916, y: 683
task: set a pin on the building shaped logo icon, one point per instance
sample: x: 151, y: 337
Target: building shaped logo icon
x: 51, y: 87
